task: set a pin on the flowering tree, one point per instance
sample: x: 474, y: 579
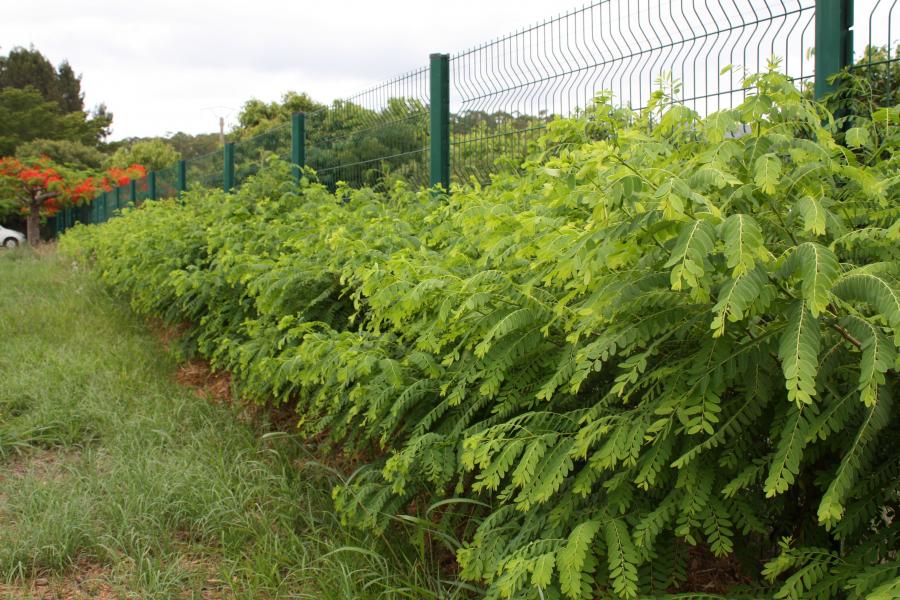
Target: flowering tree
x: 42, y: 188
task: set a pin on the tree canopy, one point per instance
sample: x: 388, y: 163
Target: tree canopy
x: 38, y: 101
x: 257, y: 116
x: 65, y: 152
x: 24, y: 67
x: 155, y: 154
x: 40, y: 187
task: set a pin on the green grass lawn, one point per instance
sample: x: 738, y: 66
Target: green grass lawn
x: 116, y: 482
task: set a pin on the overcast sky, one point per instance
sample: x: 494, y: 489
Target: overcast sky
x: 163, y: 65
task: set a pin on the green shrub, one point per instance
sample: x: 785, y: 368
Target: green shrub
x: 651, y: 346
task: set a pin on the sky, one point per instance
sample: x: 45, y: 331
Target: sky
x: 163, y: 66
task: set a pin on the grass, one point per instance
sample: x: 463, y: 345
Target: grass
x: 117, y: 482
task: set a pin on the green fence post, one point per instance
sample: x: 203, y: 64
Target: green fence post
x: 834, y: 41
x: 134, y: 192
x: 228, y: 171
x: 151, y: 184
x: 298, y: 142
x: 118, y: 197
x: 440, y: 120
x: 182, y: 177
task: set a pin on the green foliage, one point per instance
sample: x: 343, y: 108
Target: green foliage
x: 257, y: 116
x: 106, y: 459
x: 871, y: 82
x: 657, y: 339
x: 190, y: 146
x: 26, y: 116
x: 155, y: 154
x: 64, y: 152
x: 28, y: 67
x: 40, y: 102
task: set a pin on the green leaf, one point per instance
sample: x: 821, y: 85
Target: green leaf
x: 720, y: 124
x: 786, y: 462
x: 799, y: 353
x: 831, y: 508
x: 813, y: 214
x: 622, y: 559
x: 690, y: 256
x: 858, y: 137
x: 817, y: 268
x: 877, y: 290
x: 570, y: 559
x: 743, y: 242
x: 767, y: 173
x: 886, y: 591
x: 878, y: 357
x: 736, y: 297
x: 543, y: 570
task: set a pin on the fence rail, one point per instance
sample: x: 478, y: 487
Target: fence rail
x: 457, y: 117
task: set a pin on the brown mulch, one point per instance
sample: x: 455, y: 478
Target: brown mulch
x: 166, y: 334
x: 709, y: 574
x: 214, y: 386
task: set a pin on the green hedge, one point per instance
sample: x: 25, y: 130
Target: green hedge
x: 666, y: 343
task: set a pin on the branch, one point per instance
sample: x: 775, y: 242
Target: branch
x: 846, y: 335
x: 45, y: 196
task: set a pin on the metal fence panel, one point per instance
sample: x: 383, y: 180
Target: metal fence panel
x: 373, y: 137
x: 503, y: 93
x: 250, y: 154
x: 506, y: 91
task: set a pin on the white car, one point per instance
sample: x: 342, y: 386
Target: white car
x: 10, y: 238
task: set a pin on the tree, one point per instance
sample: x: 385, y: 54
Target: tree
x: 257, y: 116
x: 25, y: 115
x: 65, y: 152
x: 188, y: 146
x: 42, y: 187
x: 71, y: 98
x: 99, y: 124
x: 38, y: 101
x: 155, y: 154
x: 24, y: 67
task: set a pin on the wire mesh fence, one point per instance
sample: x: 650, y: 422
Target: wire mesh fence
x: 250, y: 154
x: 142, y: 190
x: 502, y: 94
x: 125, y: 196
x: 375, y: 136
x: 880, y: 58
x: 167, y: 182
x: 205, y: 171
x: 508, y: 89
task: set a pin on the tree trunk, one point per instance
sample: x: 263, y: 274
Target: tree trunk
x: 33, y: 231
